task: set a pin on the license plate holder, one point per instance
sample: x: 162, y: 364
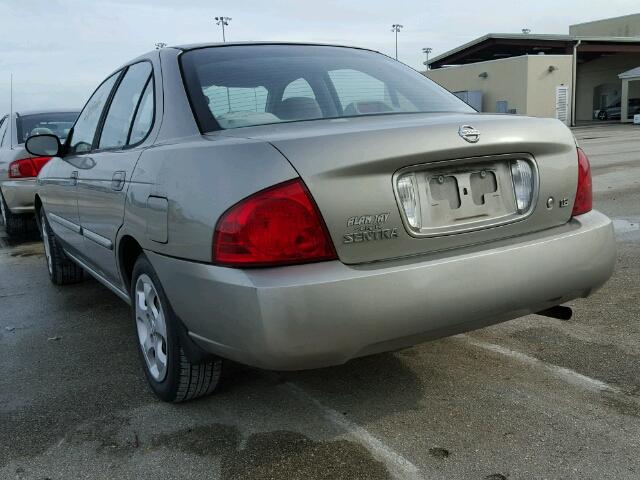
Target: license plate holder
x: 462, y: 196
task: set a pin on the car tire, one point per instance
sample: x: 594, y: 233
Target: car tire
x: 14, y: 225
x: 171, y: 374
x: 602, y: 116
x: 62, y: 270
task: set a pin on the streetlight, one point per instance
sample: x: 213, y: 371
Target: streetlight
x: 223, y: 22
x: 427, y: 51
x: 396, y: 28
x: 160, y: 45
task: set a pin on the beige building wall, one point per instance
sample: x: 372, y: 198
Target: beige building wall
x: 627, y: 26
x: 506, y: 80
x: 598, y: 78
x: 525, y: 82
x: 542, y: 82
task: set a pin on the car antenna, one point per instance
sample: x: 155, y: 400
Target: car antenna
x: 11, y: 112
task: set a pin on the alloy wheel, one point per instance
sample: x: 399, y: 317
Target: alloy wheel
x: 152, y: 327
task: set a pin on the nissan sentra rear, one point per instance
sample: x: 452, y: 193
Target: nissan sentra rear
x: 297, y: 206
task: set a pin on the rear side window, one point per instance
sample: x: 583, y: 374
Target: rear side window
x: 124, y: 106
x: 57, y: 124
x: 84, y: 131
x: 144, y: 116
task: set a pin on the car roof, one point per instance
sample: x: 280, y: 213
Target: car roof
x: 195, y: 46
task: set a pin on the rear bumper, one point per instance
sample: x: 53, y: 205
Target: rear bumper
x: 19, y: 195
x: 323, y: 314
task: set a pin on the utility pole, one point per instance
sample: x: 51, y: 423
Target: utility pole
x: 223, y: 22
x: 160, y: 45
x: 396, y: 27
x: 427, y: 51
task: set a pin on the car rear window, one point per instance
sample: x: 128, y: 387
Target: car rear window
x: 246, y: 85
x: 58, y: 124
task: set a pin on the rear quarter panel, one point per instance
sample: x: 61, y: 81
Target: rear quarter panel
x: 201, y: 177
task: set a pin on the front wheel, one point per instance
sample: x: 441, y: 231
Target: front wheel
x: 602, y: 115
x: 170, y: 373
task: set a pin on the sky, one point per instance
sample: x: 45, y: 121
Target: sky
x: 60, y: 50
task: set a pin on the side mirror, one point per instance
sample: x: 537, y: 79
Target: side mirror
x: 43, y: 145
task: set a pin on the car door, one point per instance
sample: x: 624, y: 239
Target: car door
x: 58, y: 189
x: 102, y: 185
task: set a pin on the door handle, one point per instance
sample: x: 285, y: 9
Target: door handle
x: 73, y: 179
x: 117, y: 181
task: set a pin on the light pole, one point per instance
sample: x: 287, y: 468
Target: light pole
x: 223, y: 22
x: 396, y: 27
x: 427, y: 51
x: 160, y: 45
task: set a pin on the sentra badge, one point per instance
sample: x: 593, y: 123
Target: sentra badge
x: 367, y: 228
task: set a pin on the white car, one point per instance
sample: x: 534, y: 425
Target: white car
x: 19, y: 169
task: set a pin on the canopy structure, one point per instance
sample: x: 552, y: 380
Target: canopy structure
x: 627, y: 77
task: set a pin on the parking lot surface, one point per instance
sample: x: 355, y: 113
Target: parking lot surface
x: 531, y: 398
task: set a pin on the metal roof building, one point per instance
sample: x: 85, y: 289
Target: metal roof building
x: 574, y: 77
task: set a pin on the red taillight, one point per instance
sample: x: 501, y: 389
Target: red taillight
x: 584, y: 192
x: 280, y: 225
x: 27, y: 167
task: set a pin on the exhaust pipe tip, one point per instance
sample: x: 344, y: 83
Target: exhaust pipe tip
x: 559, y: 312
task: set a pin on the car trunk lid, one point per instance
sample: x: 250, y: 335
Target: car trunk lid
x: 465, y: 187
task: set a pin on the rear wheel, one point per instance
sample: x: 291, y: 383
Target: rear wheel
x: 170, y: 373
x: 62, y: 270
x: 13, y: 224
x: 602, y: 115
